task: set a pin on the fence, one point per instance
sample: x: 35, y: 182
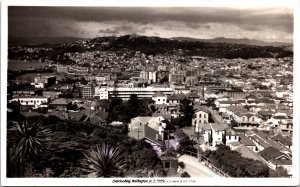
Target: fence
x: 207, y: 163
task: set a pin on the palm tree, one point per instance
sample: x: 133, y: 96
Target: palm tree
x: 28, y: 142
x: 104, y: 161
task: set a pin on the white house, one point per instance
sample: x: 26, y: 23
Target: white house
x: 213, y: 133
x: 159, y: 98
x: 231, y: 136
x: 200, y: 117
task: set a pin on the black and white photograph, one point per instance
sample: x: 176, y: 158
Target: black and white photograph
x: 149, y: 95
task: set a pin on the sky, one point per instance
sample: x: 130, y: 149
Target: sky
x: 265, y: 24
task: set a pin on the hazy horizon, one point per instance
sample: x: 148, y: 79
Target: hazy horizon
x: 264, y: 24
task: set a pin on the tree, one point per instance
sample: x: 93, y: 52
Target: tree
x: 28, y: 143
x: 279, y: 172
x: 187, y: 111
x: 152, y: 108
x: 104, y: 161
x: 185, y: 175
x: 232, y: 163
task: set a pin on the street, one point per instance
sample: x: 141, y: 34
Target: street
x: 196, y: 168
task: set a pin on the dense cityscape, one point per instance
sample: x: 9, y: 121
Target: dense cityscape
x: 154, y: 115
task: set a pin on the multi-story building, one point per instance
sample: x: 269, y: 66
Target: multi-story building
x: 87, y: 92
x: 177, y: 77
x: 44, y: 81
x: 149, y: 76
x: 31, y: 101
x: 125, y: 92
x: 200, y: 118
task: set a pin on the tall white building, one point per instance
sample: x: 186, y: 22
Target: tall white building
x: 124, y: 93
x: 149, y: 76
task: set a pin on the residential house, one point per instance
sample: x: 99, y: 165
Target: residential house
x: 276, y: 159
x: 242, y: 117
x: 159, y: 98
x: 231, y: 136
x: 200, y: 117
x: 59, y: 104
x: 149, y: 129
x: 213, y: 133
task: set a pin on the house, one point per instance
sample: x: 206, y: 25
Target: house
x: 282, y: 140
x: 170, y: 164
x: 231, y: 136
x: 247, y: 142
x: 242, y: 117
x: 223, y: 104
x: 276, y: 159
x: 213, y: 133
x: 200, y: 117
x: 51, y: 94
x: 175, y: 99
x: 159, y: 98
x: 283, y: 121
x: 193, y: 97
x: 99, y: 118
x: 149, y: 129
x: 59, y: 104
x: 265, y: 114
x: 263, y: 141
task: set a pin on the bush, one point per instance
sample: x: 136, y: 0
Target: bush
x: 185, y: 175
x: 181, y: 164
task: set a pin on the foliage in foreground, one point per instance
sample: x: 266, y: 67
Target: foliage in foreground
x: 232, y: 163
x: 67, y: 143
x: 104, y: 161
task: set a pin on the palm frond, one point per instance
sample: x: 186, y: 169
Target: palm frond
x: 104, y: 161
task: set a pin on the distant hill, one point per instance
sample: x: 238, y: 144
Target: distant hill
x: 152, y: 45
x: 15, y: 41
x: 245, y: 41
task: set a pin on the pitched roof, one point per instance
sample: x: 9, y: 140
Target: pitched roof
x: 219, y: 127
x: 238, y: 110
x: 176, y: 97
x: 273, y: 155
x: 281, y: 139
x: 151, y: 134
x: 201, y: 108
x: 245, y: 140
x: 59, y: 101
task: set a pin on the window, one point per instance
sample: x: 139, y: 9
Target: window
x: 167, y: 165
x: 200, y: 115
x: 158, y: 99
x: 253, y: 119
x: 200, y: 121
x: 204, y: 115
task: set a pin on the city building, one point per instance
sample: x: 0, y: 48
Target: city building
x: 32, y: 101
x: 87, y: 92
x: 125, y: 93
x: 43, y: 81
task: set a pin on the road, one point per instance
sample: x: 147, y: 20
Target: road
x: 196, y: 168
